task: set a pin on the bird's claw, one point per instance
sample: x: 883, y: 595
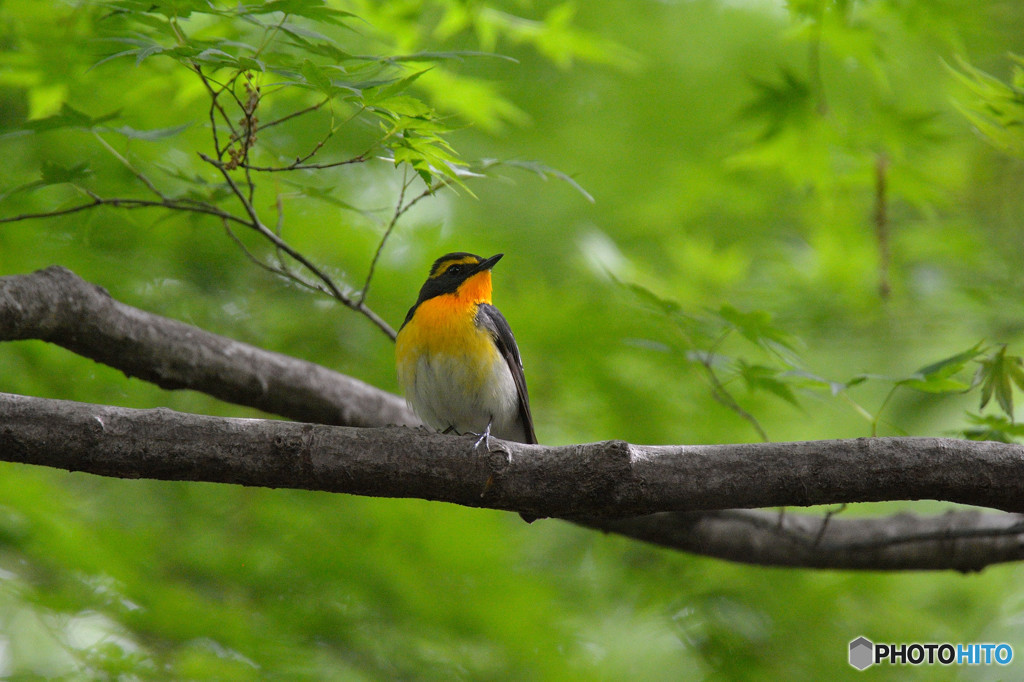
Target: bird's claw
x: 484, y: 438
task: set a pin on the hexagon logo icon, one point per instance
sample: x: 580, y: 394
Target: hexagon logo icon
x: 862, y: 653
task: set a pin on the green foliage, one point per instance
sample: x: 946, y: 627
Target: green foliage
x: 276, y: 40
x: 68, y: 117
x: 937, y: 377
x: 704, y: 336
x: 700, y: 340
x: 995, y: 427
x: 997, y: 375
x: 995, y: 108
x: 934, y: 378
x: 748, y: 168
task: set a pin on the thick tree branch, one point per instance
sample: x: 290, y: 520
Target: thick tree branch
x: 595, y: 485
x: 610, y: 479
x: 589, y: 483
x: 56, y: 305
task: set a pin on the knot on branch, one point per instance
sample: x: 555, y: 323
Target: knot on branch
x: 615, y: 478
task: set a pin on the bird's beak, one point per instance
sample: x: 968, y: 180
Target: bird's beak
x: 488, y: 263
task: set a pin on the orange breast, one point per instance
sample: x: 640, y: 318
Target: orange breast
x: 443, y: 327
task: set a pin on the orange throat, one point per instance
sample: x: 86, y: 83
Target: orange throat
x: 444, y: 323
x: 476, y: 289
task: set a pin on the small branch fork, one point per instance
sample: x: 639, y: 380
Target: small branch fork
x: 683, y: 497
x: 236, y: 155
x: 401, y: 208
x: 234, y: 123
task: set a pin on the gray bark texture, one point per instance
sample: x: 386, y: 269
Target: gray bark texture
x: 58, y: 306
x: 353, y: 438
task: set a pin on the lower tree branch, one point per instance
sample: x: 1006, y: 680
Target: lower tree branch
x: 965, y: 540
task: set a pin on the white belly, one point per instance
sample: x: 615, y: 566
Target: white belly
x: 447, y: 392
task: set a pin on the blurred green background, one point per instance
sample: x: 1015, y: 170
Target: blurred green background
x: 731, y: 149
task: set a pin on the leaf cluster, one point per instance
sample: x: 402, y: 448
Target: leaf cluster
x: 994, y: 107
x: 770, y: 363
x: 282, y: 45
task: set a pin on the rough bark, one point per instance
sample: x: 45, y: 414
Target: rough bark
x: 965, y: 540
x: 58, y: 306
x: 601, y: 485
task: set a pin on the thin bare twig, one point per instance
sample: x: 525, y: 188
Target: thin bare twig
x: 51, y: 214
x: 279, y: 207
x: 246, y: 197
x: 296, y: 114
x: 825, y: 521
x: 137, y: 173
x: 799, y: 531
x: 387, y: 231
x: 300, y: 165
x: 215, y: 107
x: 280, y: 269
x: 213, y: 126
x: 269, y: 33
x: 256, y: 224
x: 328, y: 287
x: 400, y: 210
x: 123, y: 202
x: 430, y: 191
x: 245, y: 250
x: 722, y: 395
x: 300, y: 162
x: 882, y: 224
x: 947, y: 534
x: 279, y: 227
x: 233, y: 138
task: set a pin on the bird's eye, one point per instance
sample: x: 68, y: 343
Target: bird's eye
x: 455, y: 269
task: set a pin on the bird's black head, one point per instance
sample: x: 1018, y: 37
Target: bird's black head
x: 452, y: 269
x: 449, y: 272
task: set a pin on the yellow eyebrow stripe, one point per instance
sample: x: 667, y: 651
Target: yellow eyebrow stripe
x: 443, y: 267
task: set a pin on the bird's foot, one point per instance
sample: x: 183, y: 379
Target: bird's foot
x: 484, y: 438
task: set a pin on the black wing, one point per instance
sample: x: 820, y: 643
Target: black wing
x: 491, y: 318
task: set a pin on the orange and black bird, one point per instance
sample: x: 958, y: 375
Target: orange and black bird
x: 458, y: 363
